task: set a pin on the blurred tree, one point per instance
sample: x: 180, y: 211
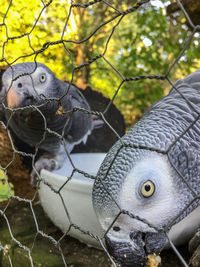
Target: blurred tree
x: 145, y: 42
x: 26, y: 26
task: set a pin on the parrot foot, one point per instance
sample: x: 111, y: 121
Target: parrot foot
x: 48, y: 162
x: 42, y: 163
x: 194, y: 248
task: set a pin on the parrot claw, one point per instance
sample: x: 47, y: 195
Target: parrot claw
x: 48, y: 162
x: 194, y: 249
x: 42, y: 163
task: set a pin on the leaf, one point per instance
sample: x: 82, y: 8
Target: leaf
x: 6, y: 189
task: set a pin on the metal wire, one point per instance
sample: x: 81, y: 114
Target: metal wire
x: 118, y: 16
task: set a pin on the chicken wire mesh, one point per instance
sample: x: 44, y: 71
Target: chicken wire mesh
x: 119, y: 15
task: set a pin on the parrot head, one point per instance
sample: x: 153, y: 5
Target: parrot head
x: 149, y: 181
x: 25, y: 83
x: 39, y: 98
x: 136, y: 196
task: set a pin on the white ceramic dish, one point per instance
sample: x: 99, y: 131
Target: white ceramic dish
x: 76, y: 194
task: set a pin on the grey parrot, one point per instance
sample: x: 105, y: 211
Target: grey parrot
x: 149, y: 179
x: 31, y: 98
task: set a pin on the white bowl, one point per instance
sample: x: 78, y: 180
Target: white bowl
x: 76, y: 195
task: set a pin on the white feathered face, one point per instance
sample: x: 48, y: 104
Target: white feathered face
x: 32, y: 82
x: 149, y: 192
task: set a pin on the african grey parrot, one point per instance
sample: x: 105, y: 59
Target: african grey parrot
x: 153, y: 174
x: 36, y: 120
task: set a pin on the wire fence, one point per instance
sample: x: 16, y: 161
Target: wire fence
x: 119, y: 15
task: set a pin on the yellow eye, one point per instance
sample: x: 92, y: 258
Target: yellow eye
x: 43, y: 78
x: 148, y: 189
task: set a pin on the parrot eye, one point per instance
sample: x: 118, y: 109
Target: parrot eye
x: 43, y: 77
x: 19, y: 85
x: 148, y: 189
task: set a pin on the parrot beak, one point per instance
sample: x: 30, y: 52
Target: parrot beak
x: 13, y: 98
x: 134, y: 252
x: 130, y: 253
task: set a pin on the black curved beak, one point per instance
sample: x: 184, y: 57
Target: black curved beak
x: 28, y: 99
x: 134, y: 252
x: 130, y: 253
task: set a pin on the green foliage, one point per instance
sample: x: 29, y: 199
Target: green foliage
x: 5, y: 189
x: 145, y: 42
x: 20, y: 22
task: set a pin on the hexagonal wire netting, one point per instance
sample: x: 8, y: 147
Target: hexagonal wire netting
x: 119, y: 15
